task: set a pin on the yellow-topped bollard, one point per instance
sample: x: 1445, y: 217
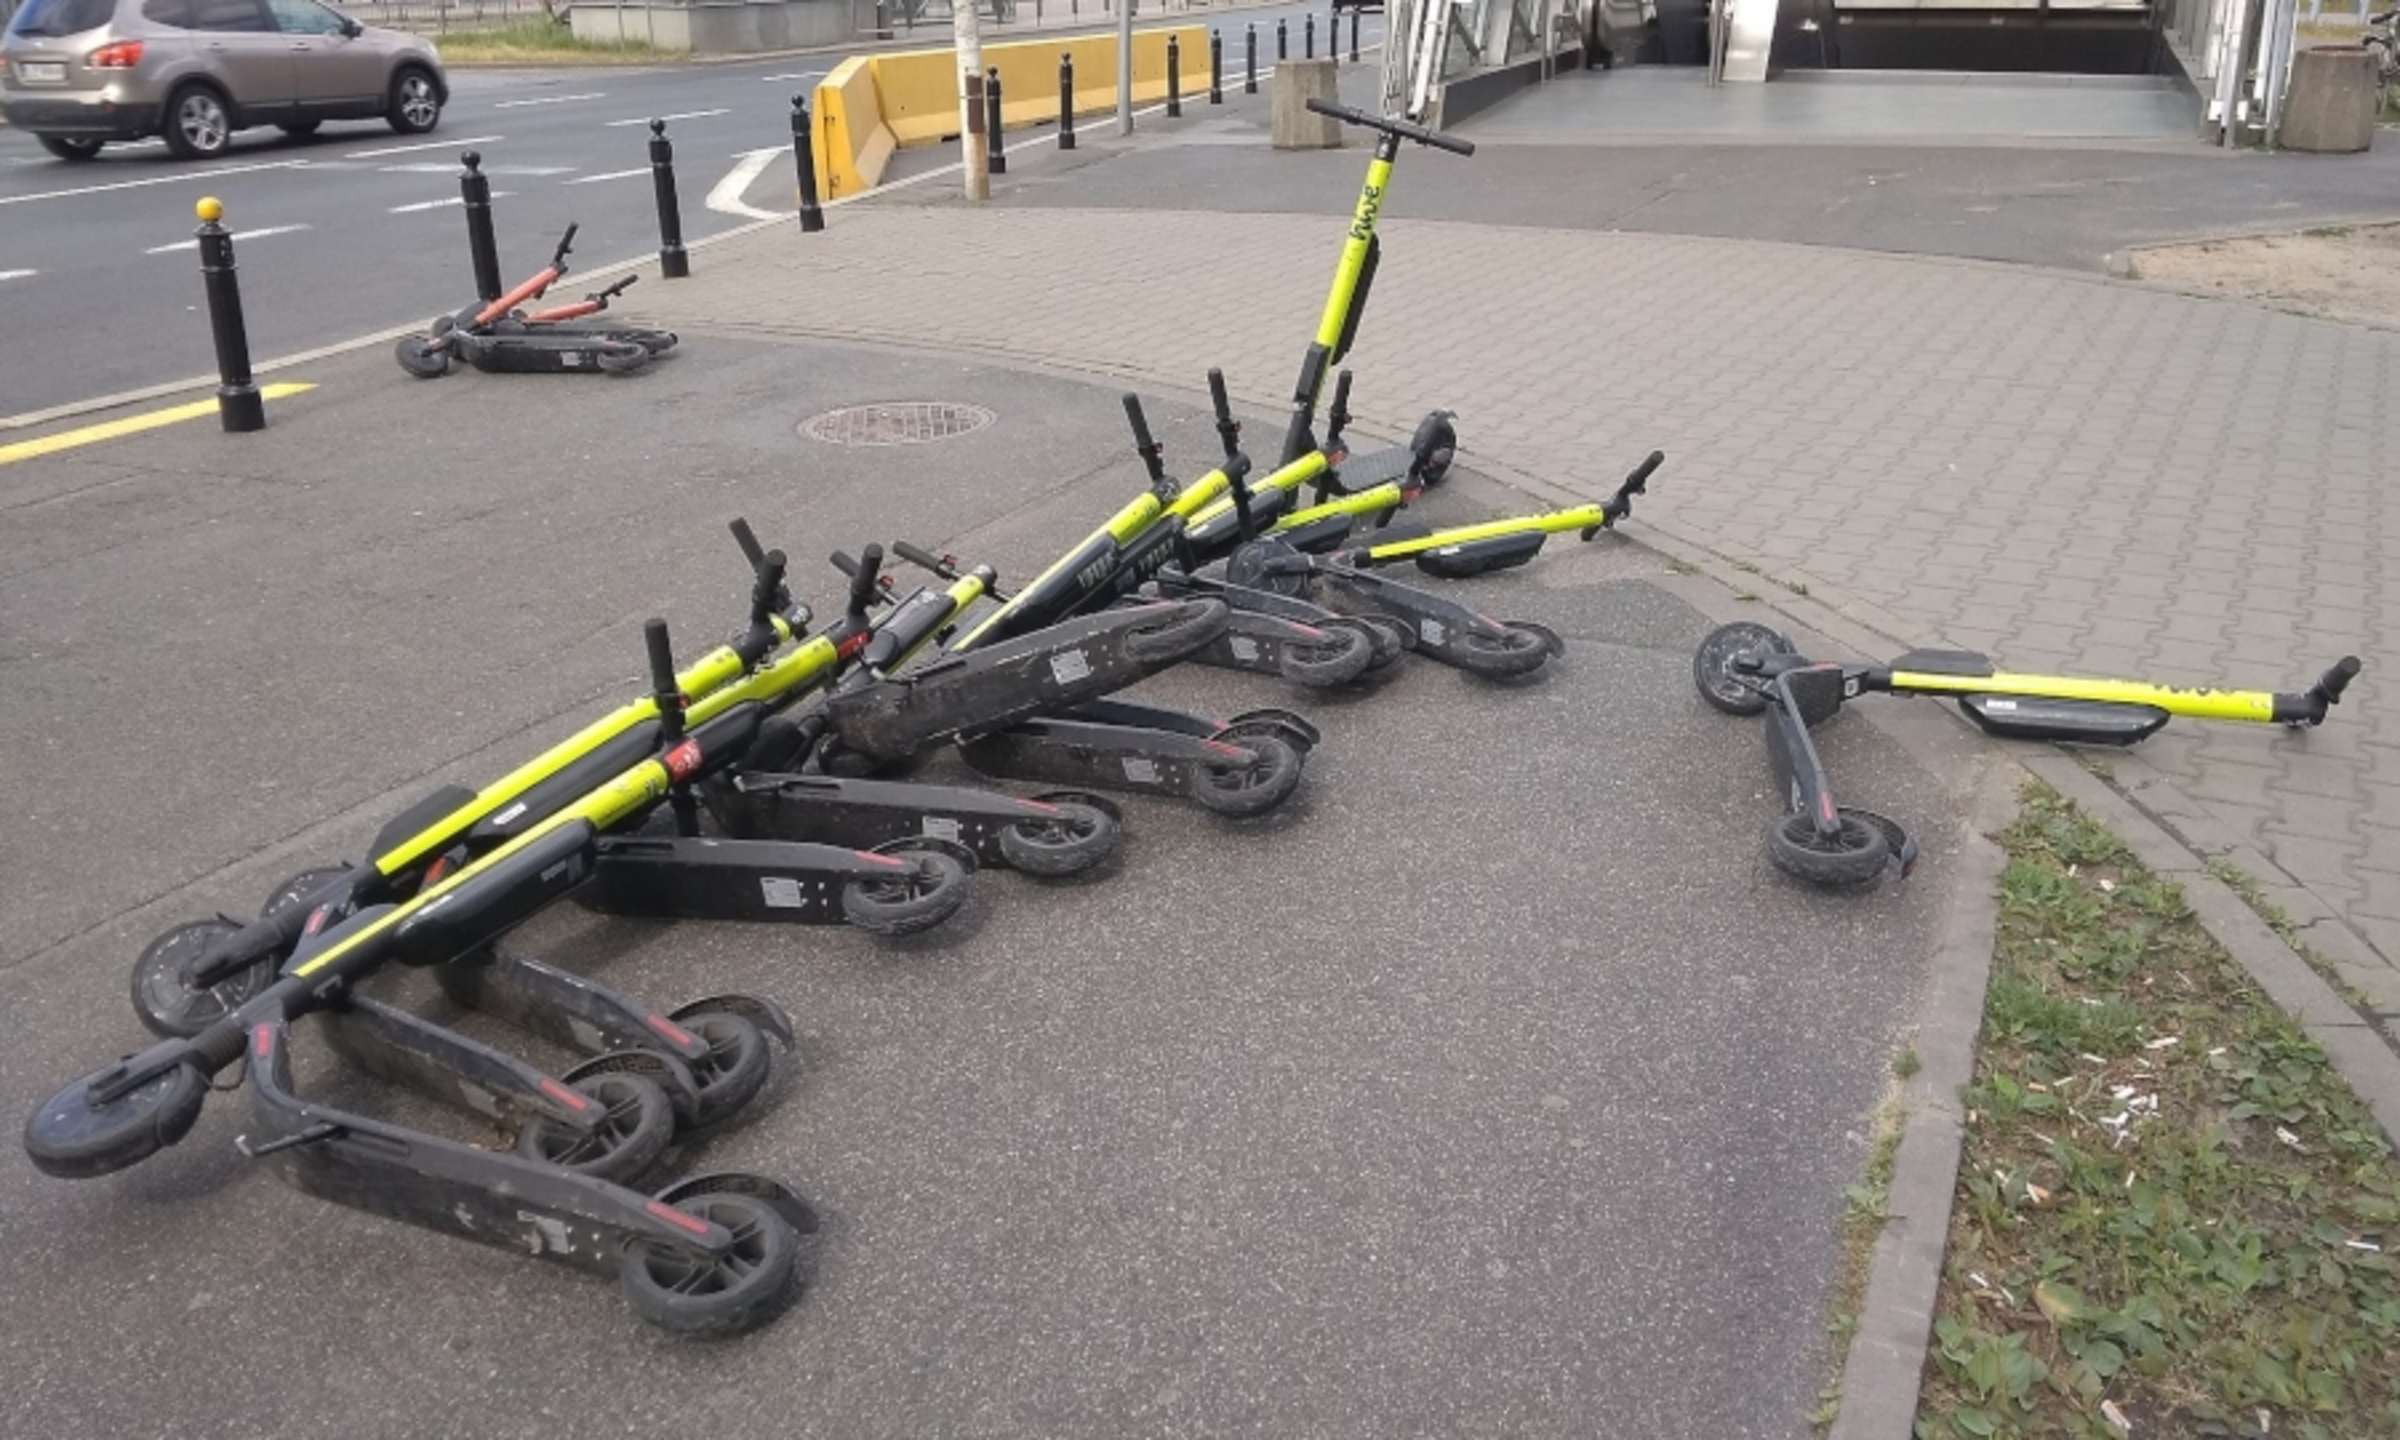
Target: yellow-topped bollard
x: 239, y: 405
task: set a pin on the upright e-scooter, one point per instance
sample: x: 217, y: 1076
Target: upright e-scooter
x: 1746, y: 668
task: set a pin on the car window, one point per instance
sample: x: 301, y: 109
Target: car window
x: 304, y: 17
x: 229, y: 15
x: 176, y: 14
x: 61, y: 17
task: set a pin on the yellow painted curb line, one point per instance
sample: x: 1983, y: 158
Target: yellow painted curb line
x: 131, y: 425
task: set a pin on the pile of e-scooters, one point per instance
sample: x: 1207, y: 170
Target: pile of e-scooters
x: 747, y: 786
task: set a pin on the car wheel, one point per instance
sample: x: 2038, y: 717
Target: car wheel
x: 198, y: 126
x: 416, y: 102
x: 68, y: 148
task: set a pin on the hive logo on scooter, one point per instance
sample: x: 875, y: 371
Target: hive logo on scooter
x: 1370, y: 202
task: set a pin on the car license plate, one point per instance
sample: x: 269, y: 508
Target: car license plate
x: 42, y: 72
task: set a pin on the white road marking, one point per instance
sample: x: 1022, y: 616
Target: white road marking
x: 441, y: 204
x: 194, y: 243
x: 436, y: 168
x: 803, y: 75
x: 547, y: 100
x: 19, y: 274
x: 686, y: 115
x: 428, y: 145
x: 183, y: 176
x: 611, y: 175
x: 726, y: 197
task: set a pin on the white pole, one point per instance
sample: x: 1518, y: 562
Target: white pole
x: 1125, y: 66
x: 967, y: 37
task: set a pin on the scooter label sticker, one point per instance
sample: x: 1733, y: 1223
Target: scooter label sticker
x: 1850, y: 688
x: 1999, y: 704
x: 781, y: 892
x: 941, y: 827
x: 1434, y: 632
x: 1244, y: 648
x: 683, y: 760
x: 1068, y: 668
x: 568, y: 359
x: 1140, y: 771
x: 511, y: 813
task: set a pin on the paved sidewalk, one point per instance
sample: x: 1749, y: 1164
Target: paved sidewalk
x: 2064, y: 471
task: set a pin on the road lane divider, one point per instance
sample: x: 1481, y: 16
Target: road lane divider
x: 18, y: 274
x: 381, y: 151
x: 547, y: 100
x: 259, y: 234
x: 725, y: 197
x: 180, y: 177
x: 424, y: 205
x: 686, y: 115
x: 133, y: 425
x: 610, y: 175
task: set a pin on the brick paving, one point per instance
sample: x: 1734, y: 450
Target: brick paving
x: 2064, y: 471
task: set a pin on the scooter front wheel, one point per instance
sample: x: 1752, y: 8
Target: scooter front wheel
x: 928, y: 889
x: 636, y: 1122
x: 617, y: 358
x: 1712, y: 665
x: 691, y: 1294
x: 164, y: 996
x: 423, y: 358
x: 298, y: 888
x: 1070, y: 842
x: 1853, y: 856
x: 1515, y: 650
x: 74, y: 1137
x: 1253, y: 785
x: 1341, y: 657
x: 1177, y: 634
x: 736, y: 1067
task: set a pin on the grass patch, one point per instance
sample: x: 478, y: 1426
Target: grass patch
x: 538, y: 41
x: 1867, y: 1204
x: 2173, y: 1218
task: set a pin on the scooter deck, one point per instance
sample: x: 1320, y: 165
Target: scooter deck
x: 2087, y: 722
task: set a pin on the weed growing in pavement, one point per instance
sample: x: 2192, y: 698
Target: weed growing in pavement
x: 2173, y: 1218
x: 1867, y: 1204
x: 538, y: 40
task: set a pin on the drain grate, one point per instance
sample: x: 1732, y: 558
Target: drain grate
x: 907, y: 422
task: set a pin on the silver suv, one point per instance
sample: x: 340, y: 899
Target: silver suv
x: 80, y: 73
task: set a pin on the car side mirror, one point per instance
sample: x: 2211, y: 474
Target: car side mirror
x: 351, y: 29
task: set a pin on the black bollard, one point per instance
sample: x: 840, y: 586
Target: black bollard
x: 995, y: 160
x: 1066, y: 101
x: 1308, y: 36
x: 1250, y: 61
x: 239, y: 405
x: 812, y: 214
x: 475, y: 188
x: 1354, y: 34
x: 673, y: 263
x: 1216, y: 68
x: 1174, y: 77
x: 1283, y: 40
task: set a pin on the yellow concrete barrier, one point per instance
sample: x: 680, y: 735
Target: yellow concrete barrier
x: 871, y: 104
x: 851, y: 143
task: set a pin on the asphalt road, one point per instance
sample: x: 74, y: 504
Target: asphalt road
x: 1498, y: 1088
x: 356, y: 229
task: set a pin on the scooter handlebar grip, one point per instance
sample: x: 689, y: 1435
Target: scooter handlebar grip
x: 1217, y: 398
x: 747, y: 538
x: 915, y: 556
x: 662, y: 656
x: 1140, y: 424
x: 1642, y: 472
x: 865, y: 579
x: 2339, y: 677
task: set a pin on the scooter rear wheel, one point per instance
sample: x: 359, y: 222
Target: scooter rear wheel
x: 1852, y: 857
x: 1253, y: 786
x: 1177, y: 635
x: 72, y: 1137
x: 1712, y: 665
x: 422, y: 358
x: 1516, y: 650
x: 167, y: 1001
x: 1070, y: 842
x: 620, y: 358
x: 1341, y: 657
x: 298, y: 888
x: 686, y: 1293
x: 1391, y: 639
x: 637, y: 1122
x: 736, y: 1067
x: 928, y: 890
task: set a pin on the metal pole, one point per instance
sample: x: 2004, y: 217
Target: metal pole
x: 1337, y: 19
x: 1250, y: 60
x: 1066, y: 101
x: 1174, y: 78
x: 475, y: 188
x: 673, y: 263
x: 1308, y: 36
x: 1216, y: 68
x: 1125, y: 67
x: 239, y: 406
x: 812, y: 215
x: 995, y: 160
x: 966, y: 38
x: 1283, y: 40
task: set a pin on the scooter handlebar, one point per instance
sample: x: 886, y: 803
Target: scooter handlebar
x: 1405, y: 129
x: 925, y: 559
x: 566, y: 242
x: 866, y: 581
x: 747, y: 538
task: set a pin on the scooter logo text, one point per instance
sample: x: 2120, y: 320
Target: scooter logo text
x: 1370, y: 201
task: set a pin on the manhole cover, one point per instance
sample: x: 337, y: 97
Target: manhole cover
x: 909, y: 422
